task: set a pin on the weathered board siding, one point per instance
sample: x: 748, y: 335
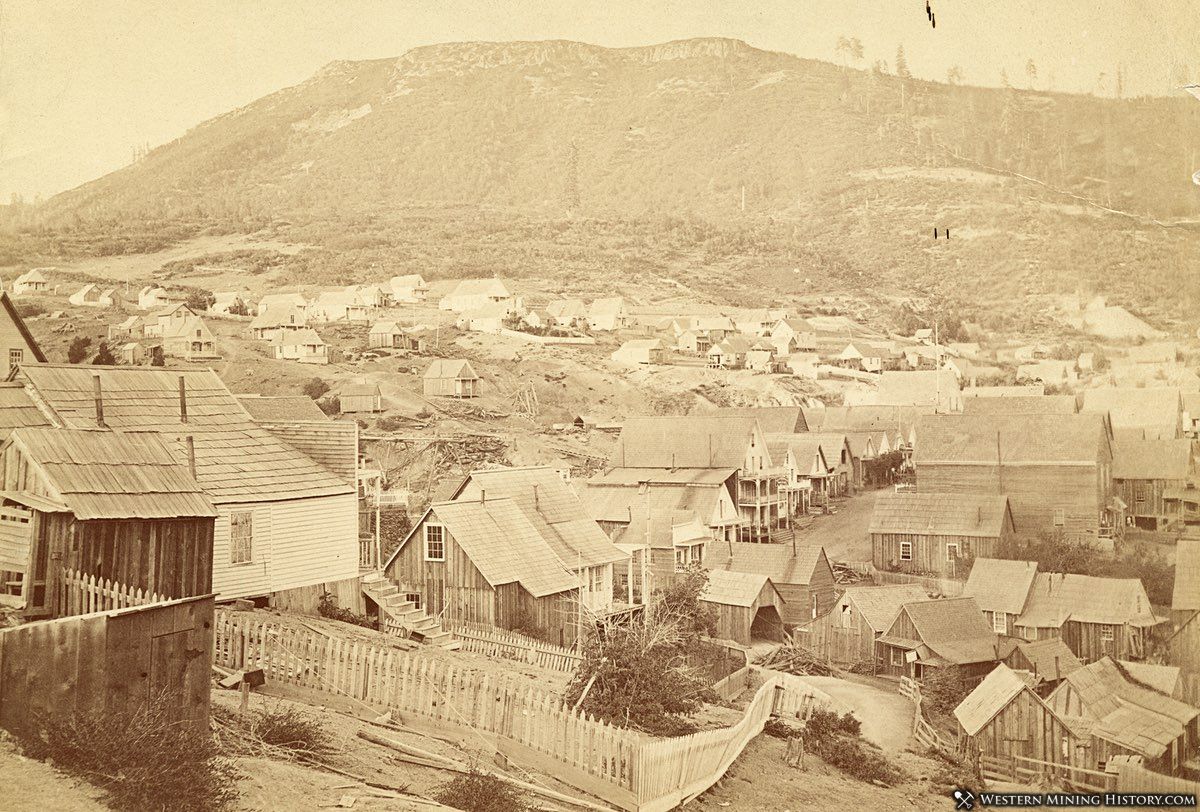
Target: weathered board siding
x: 1035, y: 492
x: 1026, y: 727
x: 1144, y: 499
x: 109, y: 661
x: 841, y: 638
x: 172, y: 557
x: 798, y: 598
x: 762, y: 619
x: 1183, y: 649
x: 903, y: 628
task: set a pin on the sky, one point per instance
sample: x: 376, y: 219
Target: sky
x: 84, y: 82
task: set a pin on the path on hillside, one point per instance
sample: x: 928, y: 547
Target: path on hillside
x: 886, y: 716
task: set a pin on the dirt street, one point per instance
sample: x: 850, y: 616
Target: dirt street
x: 886, y: 716
x: 844, y: 534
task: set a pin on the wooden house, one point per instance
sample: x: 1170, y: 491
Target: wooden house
x: 848, y: 633
x: 807, y: 472
x: 1166, y: 679
x: 112, y: 506
x: 189, y: 339
x: 17, y: 344
x: 730, y: 353
x: 795, y: 332
x: 801, y: 574
x: 287, y: 524
x: 18, y: 410
x: 304, y: 345
x: 939, y: 634
x: 678, y: 541
x: 409, y: 288
x: 86, y: 296
x: 279, y: 320
x: 360, y: 398
x: 347, y: 305
x: 388, y: 335
x: 618, y: 500
x: 450, y: 378
x: 471, y: 294
x: 1049, y: 661
x: 1003, y: 717
x: 131, y: 327
x: 1145, y: 414
x: 641, y: 351
x: 130, y: 353
x: 230, y: 303
x: 1183, y: 646
x: 32, y: 281
x: 567, y: 313
x: 937, y: 533
x: 282, y: 303
x: 1095, y: 617
x: 748, y: 606
x: 1001, y: 588
x: 1125, y: 717
x: 1055, y: 469
x: 1144, y: 471
x: 777, y: 420
x: 761, y: 356
x: 162, y: 320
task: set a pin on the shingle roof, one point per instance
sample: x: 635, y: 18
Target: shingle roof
x: 1186, y: 595
x: 481, y: 287
x: 1045, y: 404
x: 1000, y: 585
x: 1156, y: 411
x: 552, y: 507
x: 624, y: 504
x: 692, y: 441
x: 1030, y: 390
x: 236, y: 460
x: 113, y: 475
x: 504, y: 545
x: 993, y: 694
x: 776, y: 561
x: 1152, y: 459
x: 772, y: 419
x: 734, y: 588
x: 1162, y: 678
x: 872, y: 418
x: 280, y: 314
x: 359, y: 390
x: 879, y: 605
x: 385, y: 327
x: 282, y: 408
x: 832, y: 443
x: 1057, y: 597
x: 17, y: 409
x: 450, y: 368
x: 305, y: 336
x: 1049, y: 654
x: 1029, y: 439
x: 939, y: 514
x: 806, y: 448
x: 954, y: 629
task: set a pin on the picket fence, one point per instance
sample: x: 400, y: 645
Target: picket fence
x: 925, y: 733
x: 627, y: 769
x: 81, y: 594
x: 517, y: 647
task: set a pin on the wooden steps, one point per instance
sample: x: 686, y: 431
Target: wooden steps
x: 402, y: 617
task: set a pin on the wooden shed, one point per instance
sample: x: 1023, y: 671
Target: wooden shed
x: 939, y: 634
x: 1144, y: 471
x: 1004, y: 717
x: 450, y: 378
x: 107, y: 505
x: 748, y: 606
x: 847, y: 634
x: 938, y: 533
x: 800, y: 573
x: 360, y: 398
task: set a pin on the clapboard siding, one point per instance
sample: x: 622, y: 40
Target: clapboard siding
x: 241, y: 580
x: 313, y: 541
x: 1148, y: 510
x: 930, y: 553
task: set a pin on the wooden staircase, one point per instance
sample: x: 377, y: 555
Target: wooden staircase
x: 402, y: 617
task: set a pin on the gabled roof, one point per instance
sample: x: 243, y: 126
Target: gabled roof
x: 18, y: 410
x: 305, y: 336
x: 19, y: 323
x: 412, y: 280
x: 1017, y: 439
x: 552, y: 507
x: 450, y: 368
x: 388, y: 327
x: 871, y: 418
x: 953, y: 629
x: 186, y: 328
x: 624, y: 503
x: 1154, y: 410
x: 1152, y: 459
x: 772, y: 419
x: 1000, y: 585
x: 359, y: 390
x: 1020, y: 404
x: 690, y: 441
x: 1050, y: 658
x: 832, y: 443
x: 113, y: 475
x: 279, y: 315
x: 236, y: 459
x: 734, y: 588
x: 1186, y: 595
x: 939, y: 514
x: 32, y: 275
x: 804, y: 447
x: 1057, y: 597
x: 782, y: 563
x: 879, y: 605
x: 1162, y: 678
x: 993, y: 694
x: 503, y: 545
x: 282, y: 408
x: 1030, y: 390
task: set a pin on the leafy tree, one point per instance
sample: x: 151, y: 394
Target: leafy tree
x: 902, y: 63
x: 157, y: 358
x: 104, y: 356
x: 77, y: 352
x: 314, y: 388
x: 198, y: 299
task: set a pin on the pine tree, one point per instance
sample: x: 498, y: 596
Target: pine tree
x: 902, y: 63
x: 104, y: 356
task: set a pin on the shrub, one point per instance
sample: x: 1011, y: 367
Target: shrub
x: 314, y: 388
x: 476, y: 791
x: 826, y: 724
x: 942, y: 689
x: 77, y: 352
x: 861, y: 761
x: 330, y: 405
x: 104, y: 356
x: 157, y: 359
x: 28, y: 309
x: 394, y: 525
x: 141, y: 760
x: 391, y: 423
x: 328, y: 607
x: 278, y: 726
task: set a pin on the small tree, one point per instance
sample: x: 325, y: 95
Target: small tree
x: 157, y: 358
x: 104, y: 356
x: 902, y: 64
x: 1031, y: 73
x: 314, y: 388
x: 77, y: 352
x: 199, y: 299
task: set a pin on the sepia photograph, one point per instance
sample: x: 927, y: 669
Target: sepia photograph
x: 512, y: 405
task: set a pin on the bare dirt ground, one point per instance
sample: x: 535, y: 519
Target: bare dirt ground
x: 886, y: 717
x: 34, y: 786
x: 844, y: 534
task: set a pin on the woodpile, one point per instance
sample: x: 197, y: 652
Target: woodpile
x: 843, y: 574
x: 792, y: 658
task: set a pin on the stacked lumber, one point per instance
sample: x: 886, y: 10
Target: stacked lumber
x: 792, y: 658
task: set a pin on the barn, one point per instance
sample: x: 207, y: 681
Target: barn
x: 938, y: 533
x: 748, y: 606
x: 801, y: 574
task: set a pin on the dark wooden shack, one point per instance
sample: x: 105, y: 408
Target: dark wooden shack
x: 120, y: 507
x: 801, y: 573
x: 748, y: 606
x: 939, y: 634
x: 938, y: 533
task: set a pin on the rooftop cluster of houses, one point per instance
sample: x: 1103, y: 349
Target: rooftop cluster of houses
x: 176, y: 328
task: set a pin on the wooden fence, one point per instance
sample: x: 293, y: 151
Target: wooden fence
x: 923, y: 732
x: 114, y: 662
x: 512, y: 646
x: 947, y: 587
x: 1133, y: 777
x: 81, y: 594
x: 531, y: 727
x: 1034, y: 772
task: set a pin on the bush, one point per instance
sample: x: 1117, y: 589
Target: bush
x: 104, y: 356
x: 77, y: 352
x: 942, y: 689
x: 157, y: 359
x: 141, y: 760
x: 394, y: 525
x: 284, y: 727
x: 391, y: 423
x: 826, y: 724
x: 328, y: 607
x: 330, y: 405
x: 836, y: 739
x: 477, y: 791
x: 314, y: 388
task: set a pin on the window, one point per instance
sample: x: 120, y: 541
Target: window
x: 999, y: 623
x: 1060, y: 517
x: 906, y: 551
x: 816, y: 605
x: 847, y: 616
x: 897, y: 658
x: 435, y: 542
x: 1107, y: 634
x: 15, y: 357
x: 951, y: 552
x: 596, y: 579
x: 241, y: 533
x: 687, y: 555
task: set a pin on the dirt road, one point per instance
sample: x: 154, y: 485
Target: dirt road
x: 844, y: 534
x: 886, y: 716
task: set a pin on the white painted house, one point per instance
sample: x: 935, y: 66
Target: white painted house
x: 472, y: 294
x: 304, y: 346
x: 409, y: 288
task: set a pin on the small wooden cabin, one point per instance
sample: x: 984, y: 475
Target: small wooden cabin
x: 748, y: 606
x: 450, y: 378
x: 360, y: 397
x: 801, y: 574
x: 938, y: 533
x: 936, y: 634
x: 303, y: 345
x: 1144, y: 471
x: 115, y: 506
x: 848, y: 633
x: 1004, y: 717
x: 1048, y: 660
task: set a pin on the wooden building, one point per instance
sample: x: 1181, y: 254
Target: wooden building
x: 1152, y: 413
x: 748, y: 606
x: 32, y: 281
x: 1001, y: 587
x: 937, y: 533
x: 450, y: 378
x: 1144, y: 471
x: 1183, y: 646
x: 801, y: 574
x: 360, y: 398
x: 17, y: 345
x: 287, y: 524
x: 189, y: 339
x: 846, y: 469
x: 388, y: 335
x: 105, y: 505
x: 409, y: 288
x: 618, y: 500
x: 1125, y: 717
x: 641, y: 351
x: 807, y: 473
x: 1004, y: 717
x: 939, y: 634
x: 1055, y: 469
x: 1049, y: 661
x: 303, y: 345
x: 847, y: 634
